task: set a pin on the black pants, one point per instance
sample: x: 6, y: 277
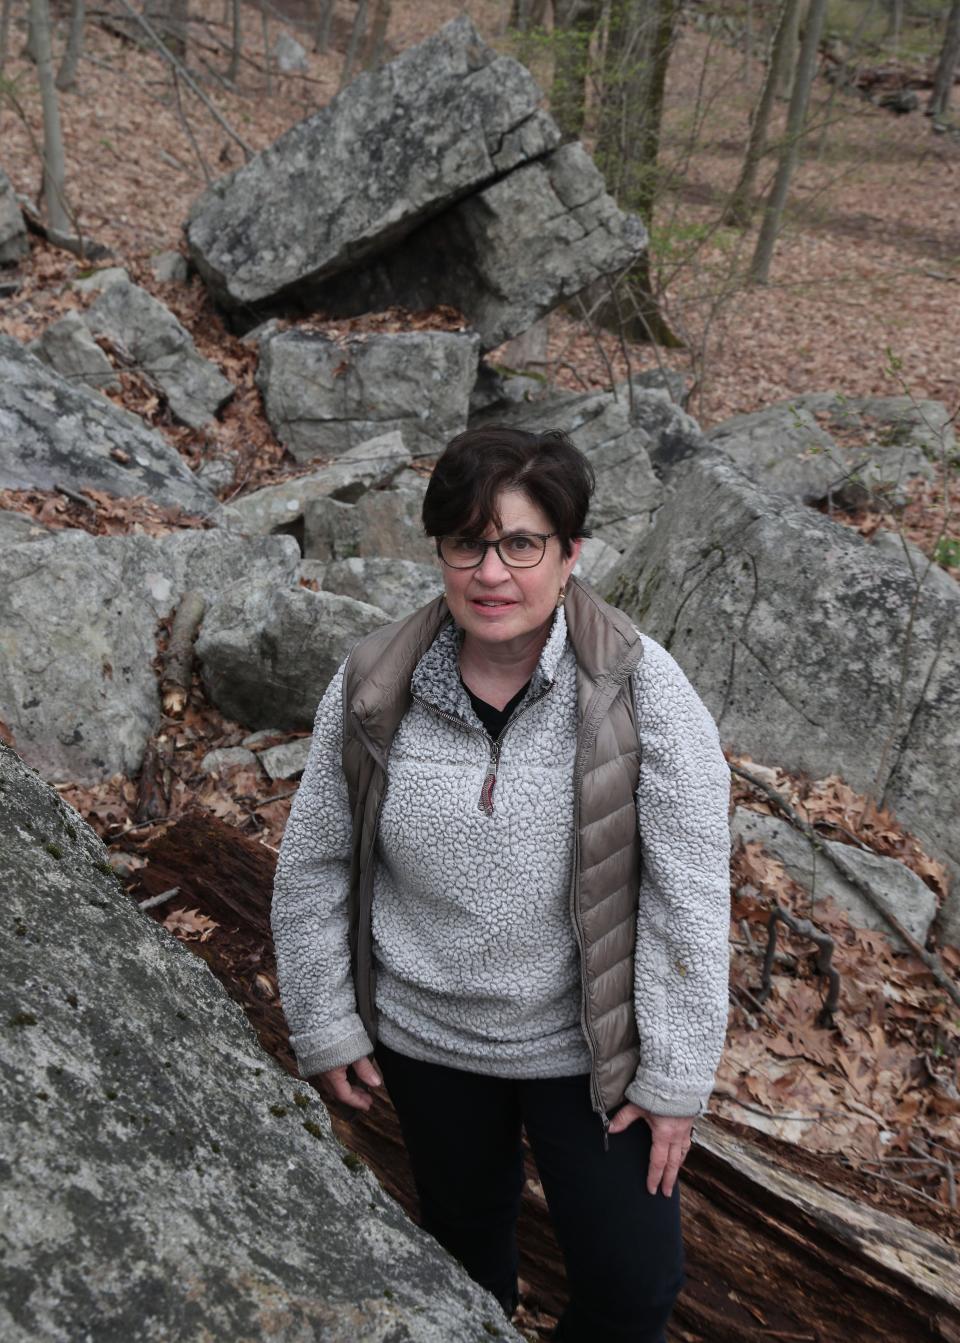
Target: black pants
x: 623, y: 1247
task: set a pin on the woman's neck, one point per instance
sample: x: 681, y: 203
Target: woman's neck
x: 496, y: 671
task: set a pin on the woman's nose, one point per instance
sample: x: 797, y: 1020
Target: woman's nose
x: 492, y: 568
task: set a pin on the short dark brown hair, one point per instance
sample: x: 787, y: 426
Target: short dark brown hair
x: 478, y: 465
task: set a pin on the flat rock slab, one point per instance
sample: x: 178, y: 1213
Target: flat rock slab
x: 323, y: 397
x: 279, y: 508
x: 160, y: 348
x: 396, y: 586
x: 812, y: 648
x: 53, y: 433
x: 396, y: 146
x: 507, y: 255
x: 382, y: 524
x: 78, y: 636
x: 898, y: 889
x: 13, y: 230
x: 68, y: 347
x: 267, y: 654
x: 877, y: 443
x: 162, y: 1177
x: 287, y: 760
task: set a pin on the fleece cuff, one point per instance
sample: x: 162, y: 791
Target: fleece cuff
x: 319, y: 1053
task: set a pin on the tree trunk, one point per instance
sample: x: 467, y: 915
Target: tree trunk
x: 780, y: 1243
x: 54, y: 168
x: 373, y: 50
x: 946, y: 65
x: 67, y: 74
x: 353, y: 46
x: 5, y: 9
x: 639, y: 42
x: 236, y: 47
x: 574, y: 24
x: 324, y: 24
x: 739, y: 208
x: 803, y: 83
x: 786, y: 63
x: 170, y: 19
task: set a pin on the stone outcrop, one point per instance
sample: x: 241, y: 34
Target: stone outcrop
x: 323, y: 396
x: 899, y: 889
x: 506, y: 255
x: 146, y: 332
x: 268, y: 654
x: 78, y: 636
x: 797, y: 633
x: 53, y: 433
x: 162, y: 1176
x: 396, y: 146
x: 13, y: 230
x: 876, y: 444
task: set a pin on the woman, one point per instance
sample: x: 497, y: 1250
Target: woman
x: 508, y: 865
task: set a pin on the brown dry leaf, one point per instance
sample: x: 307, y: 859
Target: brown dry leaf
x: 190, y: 925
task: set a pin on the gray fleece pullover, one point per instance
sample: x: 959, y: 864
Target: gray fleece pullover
x: 477, y: 962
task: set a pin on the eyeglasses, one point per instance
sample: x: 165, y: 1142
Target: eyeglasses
x: 522, y: 550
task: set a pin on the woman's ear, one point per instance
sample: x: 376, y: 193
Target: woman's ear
x: 576, y: 545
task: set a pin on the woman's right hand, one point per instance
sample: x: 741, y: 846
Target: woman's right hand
x: 338, y: 1085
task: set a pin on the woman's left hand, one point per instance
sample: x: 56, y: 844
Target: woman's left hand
x: 671, y: 1143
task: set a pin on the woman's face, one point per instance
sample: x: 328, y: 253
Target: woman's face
x: 496, y: 603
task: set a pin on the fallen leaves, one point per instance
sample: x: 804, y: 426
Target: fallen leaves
x: 190, y: 925
x: 886, y: 1076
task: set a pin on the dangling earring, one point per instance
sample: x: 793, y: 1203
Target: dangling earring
x: 563, y: 593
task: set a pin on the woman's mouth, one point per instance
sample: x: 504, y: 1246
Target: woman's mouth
x: 491, y: 603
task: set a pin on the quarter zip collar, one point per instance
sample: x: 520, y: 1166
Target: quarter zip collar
x: 436, y: 677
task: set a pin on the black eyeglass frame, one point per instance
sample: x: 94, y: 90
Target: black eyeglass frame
x: 540, y: 536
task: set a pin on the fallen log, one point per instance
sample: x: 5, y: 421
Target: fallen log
x: 780, y: 1243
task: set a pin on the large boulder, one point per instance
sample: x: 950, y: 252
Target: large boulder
x: 811, y: 647
x: 322, y: 396
x: 506, y: 255
x: 625, y: 446
x: 53, y: 433
x: 396, y: 146
x: 821, y: 446
x: 267, y: 654
x: 146, y: 331
x: 162, y: 1177
x: 13, y: 231
x: 78, y: 636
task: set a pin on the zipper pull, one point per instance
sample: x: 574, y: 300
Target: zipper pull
x: 486, y: 792
x: 606, y: 1126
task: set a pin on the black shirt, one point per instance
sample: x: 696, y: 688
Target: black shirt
x: 494, y: 720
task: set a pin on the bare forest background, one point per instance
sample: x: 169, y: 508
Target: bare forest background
x: 797, y: 164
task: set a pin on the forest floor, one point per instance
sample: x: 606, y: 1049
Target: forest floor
x: 864, y: 298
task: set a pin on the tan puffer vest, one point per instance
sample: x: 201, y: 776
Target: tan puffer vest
x: 607, y: 855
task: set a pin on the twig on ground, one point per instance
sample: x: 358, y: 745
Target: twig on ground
x: 930, y: 960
